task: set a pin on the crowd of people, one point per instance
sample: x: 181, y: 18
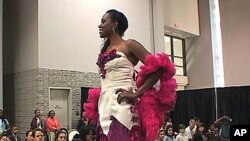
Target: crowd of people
x: 218, y: 130
x: 48, y: 129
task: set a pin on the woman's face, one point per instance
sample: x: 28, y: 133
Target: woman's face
x: 52, y: 114
x: 90, y: 136
x: 182, y: 131
x: 161, y: 134
x: 170, y: 131
x: 29, y: 137
x: 201, y: 129
x: 62, y: 137
x: 106, y: 26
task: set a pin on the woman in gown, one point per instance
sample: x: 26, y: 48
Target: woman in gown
x: 125, y: 109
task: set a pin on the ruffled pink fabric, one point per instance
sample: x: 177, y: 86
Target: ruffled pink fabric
x: 154, y: 104
x: 91, y: 106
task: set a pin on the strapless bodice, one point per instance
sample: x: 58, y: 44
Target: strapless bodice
x: 117, y: 71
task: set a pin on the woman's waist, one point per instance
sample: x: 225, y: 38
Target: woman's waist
x: 117, y: 84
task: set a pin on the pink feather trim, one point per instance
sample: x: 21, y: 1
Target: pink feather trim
x: 91, y: 106
x: 154, y: 105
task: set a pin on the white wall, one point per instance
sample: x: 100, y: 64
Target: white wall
x: 20, y: 35
x: 199, y: 53
x: 235, y: 41
x: 181, y: 17
x: 26, y: 49
x: 68, y: 33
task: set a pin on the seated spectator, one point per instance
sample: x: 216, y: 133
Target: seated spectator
x: 14, y: 134
x: 38, y: 134
x: 161, y: 135
x: 5, y: 136
x: 87, y: 133
x: 213, y: 133
x: 29, y: 136
x: 60, y: 136
x: 199, y: 134
x: 190, y: 130
x: 169, y: 134
x: 66, y: 133
x: 181, y: 136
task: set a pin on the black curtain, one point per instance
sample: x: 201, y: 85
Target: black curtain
x: 234, y: 102
x: 194, y: 103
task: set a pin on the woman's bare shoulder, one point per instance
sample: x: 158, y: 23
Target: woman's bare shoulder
x: 131, y: 42
x: 137, y: 49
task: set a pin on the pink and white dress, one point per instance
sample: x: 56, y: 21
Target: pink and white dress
x: 140, y: 120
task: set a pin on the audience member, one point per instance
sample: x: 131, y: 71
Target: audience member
x: 84, y: 121
x: 38, y: 134
x: 29, y: 136
x: 5, y: 136
x: 4, y: 123
x: 36, y: 121
x: 190, y: 130
x: 224, y: 123
x: 199, y: 134
x: 213, y: 133
x: 61, y: 136
x: 87, y: 133
x: 14, y: 134
x: 52, y: 125
x: 64, y: 130
x: 169, y: 136
x: 181, y: 136
x: 161, y: 135
x: 196, y: 122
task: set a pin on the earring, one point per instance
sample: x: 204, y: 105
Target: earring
x: 113, y: 29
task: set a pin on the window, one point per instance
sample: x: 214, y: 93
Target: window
x: 175, y: 47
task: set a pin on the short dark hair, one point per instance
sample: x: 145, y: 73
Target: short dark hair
x: 35, y: 130
x: 196, y: 119
x: 36, y: 110
x: 27, y: 132
x: 84, y: 131
x: 181, y: 126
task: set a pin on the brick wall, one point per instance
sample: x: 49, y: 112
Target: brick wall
x: 30, y: 90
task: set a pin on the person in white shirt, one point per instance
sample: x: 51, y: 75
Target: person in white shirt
x: 181, y: 136
x: 4, y: 123
x: 190, y: 130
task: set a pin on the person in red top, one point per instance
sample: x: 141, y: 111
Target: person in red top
x: 52, y: 124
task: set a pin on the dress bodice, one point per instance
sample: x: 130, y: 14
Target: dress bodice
x: 116, y: 70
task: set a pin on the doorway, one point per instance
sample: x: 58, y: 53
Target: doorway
x: 61, y: 103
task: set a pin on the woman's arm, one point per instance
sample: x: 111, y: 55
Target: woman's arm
x: 140, y: 53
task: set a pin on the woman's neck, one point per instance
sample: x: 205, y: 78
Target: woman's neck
x: 115, y: 39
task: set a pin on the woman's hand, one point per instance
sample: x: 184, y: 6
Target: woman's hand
x: 124, y: 95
